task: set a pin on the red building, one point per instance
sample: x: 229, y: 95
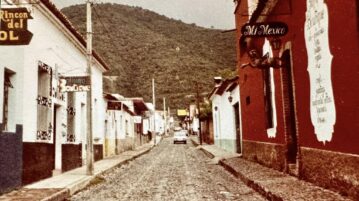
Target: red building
x: 299, y: 68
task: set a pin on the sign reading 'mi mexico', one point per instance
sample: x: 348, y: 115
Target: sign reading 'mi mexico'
x: 264, y: 29
x: 13, y: 26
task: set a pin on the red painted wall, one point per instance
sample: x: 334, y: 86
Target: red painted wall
x: 251, y: 87
x: 344, y: 46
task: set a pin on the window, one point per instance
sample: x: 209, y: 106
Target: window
x: 126, y: 127
x: 269, y: 94
x: 44, y: 102
x: 268, y: 98
x: 7, y: 87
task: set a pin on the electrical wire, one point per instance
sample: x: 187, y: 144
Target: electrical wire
x: 103, y: 25
x: 106, y: 30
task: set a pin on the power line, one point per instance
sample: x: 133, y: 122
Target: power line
x: 106, y: 30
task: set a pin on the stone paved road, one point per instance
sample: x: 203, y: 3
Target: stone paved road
x: 169, y: 172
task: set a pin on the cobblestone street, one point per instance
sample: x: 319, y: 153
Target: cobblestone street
x: 169, y: 172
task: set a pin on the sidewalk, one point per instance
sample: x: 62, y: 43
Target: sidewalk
x: 60, y: 187
x: 272, y: 184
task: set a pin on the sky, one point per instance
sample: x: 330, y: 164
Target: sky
x: 206, y: 13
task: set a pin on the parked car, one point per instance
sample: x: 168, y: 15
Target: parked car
x: 177, y: 128
x: 186, y: 132
x: 180, y: 136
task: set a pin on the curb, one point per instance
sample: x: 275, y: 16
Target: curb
x: 209, y: 154
x: 59, y: 196
x: 194, y: 142
x: 82, y: 184
x: 251, y: 183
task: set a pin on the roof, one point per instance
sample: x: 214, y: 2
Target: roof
x: 127, y: 109
x: 63, y: 19
x: 140, y: 105
x: 233, y: 85
x: 109, y: 96
x: 212, y: 92
x: 226, y: 85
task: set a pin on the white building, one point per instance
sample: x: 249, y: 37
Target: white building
x: 125, y: 123
x: 54, y: 123
x: 226, y: 114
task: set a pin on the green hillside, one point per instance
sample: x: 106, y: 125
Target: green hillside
x: 139, y: 45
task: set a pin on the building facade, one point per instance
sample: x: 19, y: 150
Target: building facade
x: 297, y: 63
x: 54, y: 122
x: 226, y: 115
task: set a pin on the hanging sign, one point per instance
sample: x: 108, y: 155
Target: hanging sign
x: 266, y: 29
x: 13, y: 26
x: 75, y: 84
x: 181, y: 112
x: 322, y: 107
x: 114, y: 105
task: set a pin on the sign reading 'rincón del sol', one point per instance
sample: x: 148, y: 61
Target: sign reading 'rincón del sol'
x: 13, y: 26
x: 264, y: 29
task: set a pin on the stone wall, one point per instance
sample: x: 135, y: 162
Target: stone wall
x: 268, y: 154
x: 332, y: 170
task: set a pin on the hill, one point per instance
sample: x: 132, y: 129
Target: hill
x: 139, y: 45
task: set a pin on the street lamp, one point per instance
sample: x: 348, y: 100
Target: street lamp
x: 230, y: 98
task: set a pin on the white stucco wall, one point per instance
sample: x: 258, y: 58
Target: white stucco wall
x: 52, y: 44
x: 224, y: 120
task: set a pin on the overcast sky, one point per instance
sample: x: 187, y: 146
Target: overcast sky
x: 205, y: 13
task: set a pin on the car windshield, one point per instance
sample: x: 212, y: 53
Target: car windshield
x: 178, y: 128
x: 180, y: 133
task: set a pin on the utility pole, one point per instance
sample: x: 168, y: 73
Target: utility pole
x: 0, y: 9
x: 168, y: 119
x: 154, y: 110
x: 199, y: 112
x: 164, y: 114
x: 89, y: 148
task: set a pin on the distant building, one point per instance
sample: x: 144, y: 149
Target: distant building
x: 126, y: 124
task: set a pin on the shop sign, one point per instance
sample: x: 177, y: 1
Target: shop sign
x: 267, y: 29
x: 181, y: 112
x: 13, y: 26
x: 113, y: 105
x: 75, y: 84
x: 322, y: 107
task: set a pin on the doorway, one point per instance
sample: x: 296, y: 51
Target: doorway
x: 290, y: 118
x: 57, y: 154
x: 83, y: 132
x: 237, y: 127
